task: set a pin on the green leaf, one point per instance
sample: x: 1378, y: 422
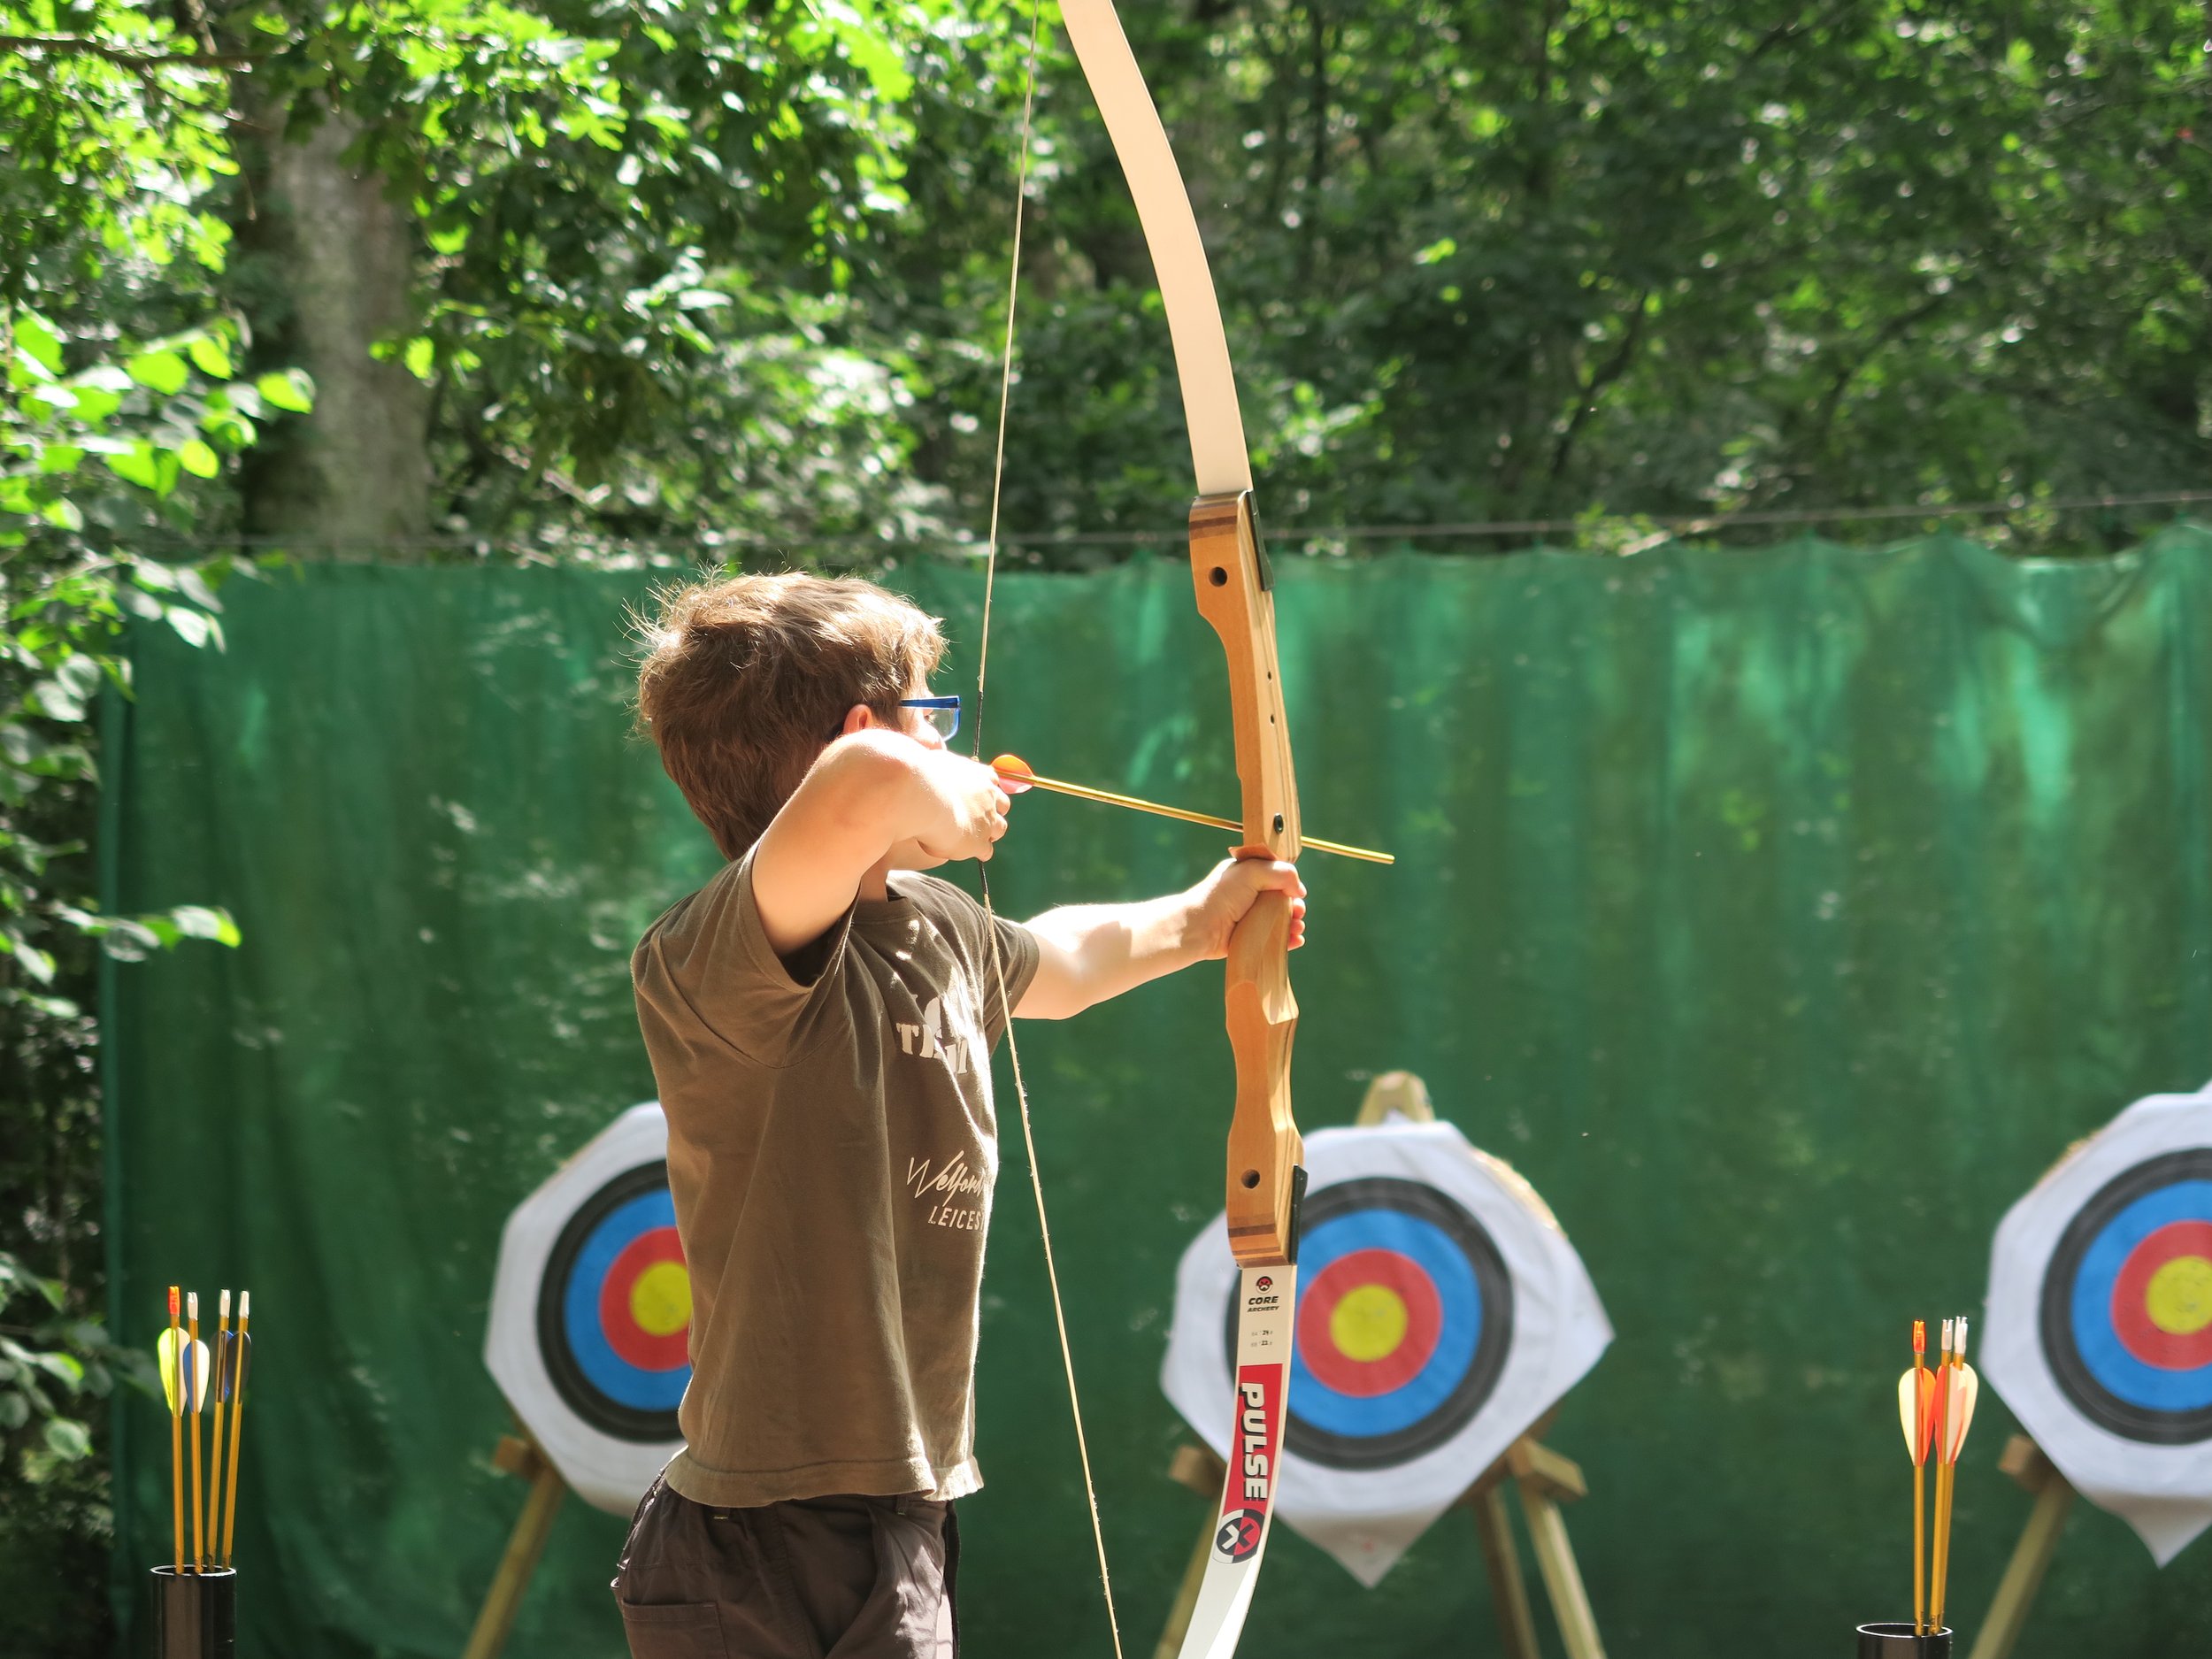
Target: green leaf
x: 63, y: 694
x: 38, y: 339
x: 198, y: 459
x: 289, y: 389
x: 64, y: 513
x: 164, y: 372
x: 66, y: 1368
x: 68, y: 1438
x: 200, y: 921
x: 15, y: 1410
x: 211, y: 354
x: 34, y: 962
x: 139, y: 465
x: 193, y: 587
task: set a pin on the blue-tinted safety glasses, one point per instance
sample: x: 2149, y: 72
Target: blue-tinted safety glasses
x: 941, y: 712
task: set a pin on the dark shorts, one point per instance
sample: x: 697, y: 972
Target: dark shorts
x: 841, y: 1577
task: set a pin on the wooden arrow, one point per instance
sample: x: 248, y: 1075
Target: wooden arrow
x: 1016, y: 774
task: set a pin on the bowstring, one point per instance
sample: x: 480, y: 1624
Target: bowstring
x: 990, y: 915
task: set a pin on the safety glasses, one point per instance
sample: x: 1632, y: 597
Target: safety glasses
x: 941, y: 712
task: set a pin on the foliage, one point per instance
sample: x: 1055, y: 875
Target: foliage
x: 695, y: 277
x: 1485, y: 262
x: 649, y: 238
x: 122, y: 408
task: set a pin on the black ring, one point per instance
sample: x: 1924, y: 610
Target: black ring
x: 2091, y: 1397
x: 1495, y: 1340
x: 609, y: 1416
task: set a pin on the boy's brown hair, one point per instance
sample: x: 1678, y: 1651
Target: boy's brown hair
x: 744, y: 681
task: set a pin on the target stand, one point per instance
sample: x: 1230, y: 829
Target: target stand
x: 1457, y: 1333
x: 2055, y: 1494
x: 520, y: 1455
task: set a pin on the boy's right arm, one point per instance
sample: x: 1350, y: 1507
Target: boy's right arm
x: 872, y: 795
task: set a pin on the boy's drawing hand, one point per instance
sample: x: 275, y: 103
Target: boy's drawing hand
x: 1231, y: 890
x: 969, y: 807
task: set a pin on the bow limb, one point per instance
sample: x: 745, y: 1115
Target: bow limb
x: 1235, y: 588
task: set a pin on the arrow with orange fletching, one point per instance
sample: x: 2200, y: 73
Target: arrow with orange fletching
x: 1015, y: 775
x: 1916, y: 1414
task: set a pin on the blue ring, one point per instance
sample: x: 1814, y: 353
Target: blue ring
x: 608, y: 1371
x: 1430, y: 1249
x: 2096, y: 1341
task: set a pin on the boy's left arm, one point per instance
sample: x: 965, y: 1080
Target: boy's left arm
x: 1086, y: 953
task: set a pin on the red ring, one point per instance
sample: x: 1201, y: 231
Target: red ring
x: 2168, y: 1350
x: 1354, y: 1271
x: 633, y: 1346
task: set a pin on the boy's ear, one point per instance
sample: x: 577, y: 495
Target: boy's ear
x: 859, y: 717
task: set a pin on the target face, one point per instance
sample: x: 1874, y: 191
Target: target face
x: 590, y: 1327
x: 614, y: 1310
x: 1439, y: 1312
x: 1405, y: 1315
x: 2126, y: 1306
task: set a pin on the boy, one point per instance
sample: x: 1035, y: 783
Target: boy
x: 820, y: 1019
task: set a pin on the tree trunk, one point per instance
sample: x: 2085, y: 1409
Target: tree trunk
x: 353, y: 476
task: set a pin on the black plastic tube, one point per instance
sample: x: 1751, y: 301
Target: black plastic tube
x: 1897, y: 1641
x: 195, y: 1614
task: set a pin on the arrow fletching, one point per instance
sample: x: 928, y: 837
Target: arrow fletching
x: 1966, y: 1388
x: 166, y: 1353
x: 1916, y: 1411
x: 1011, y: 770
x: 196, y: 1379
x: 230, y: 1376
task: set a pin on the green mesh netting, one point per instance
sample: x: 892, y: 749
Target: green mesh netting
x: 1781, y: 916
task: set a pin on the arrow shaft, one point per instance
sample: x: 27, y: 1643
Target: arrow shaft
x: 1108, y: 797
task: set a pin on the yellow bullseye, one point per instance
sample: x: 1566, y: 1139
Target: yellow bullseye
x: 660, y: 1299
x: 2178, y: 1298
x: 1368, y: 1323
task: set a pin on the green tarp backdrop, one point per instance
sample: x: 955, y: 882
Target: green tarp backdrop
x: 1781, y: 916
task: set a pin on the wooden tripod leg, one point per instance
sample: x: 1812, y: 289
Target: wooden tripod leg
x: 525, y: 1545
x: 1545, y: 1478
x: 2025, y: 1462
x: 1186, y: 1598
x: 1197, y: 1468
x: 1509, y: 1592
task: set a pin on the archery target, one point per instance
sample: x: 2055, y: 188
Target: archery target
x: 1405, y: 1312
x: 1440, y: 1311
x: 2127, y: 1303
x: 2100, y: 1335
x: 591, y: 1314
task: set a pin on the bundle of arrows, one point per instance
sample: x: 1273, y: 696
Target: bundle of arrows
x: 1936, y: 1408
x: 185, y: 1375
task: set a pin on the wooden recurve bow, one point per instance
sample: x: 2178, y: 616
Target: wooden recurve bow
x: 1230, y: 574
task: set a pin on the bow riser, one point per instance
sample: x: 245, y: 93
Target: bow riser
x: 1236, y: 594
x: 1230, y: 576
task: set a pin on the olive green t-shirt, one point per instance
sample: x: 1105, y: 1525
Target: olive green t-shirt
x: 831, y: 1149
